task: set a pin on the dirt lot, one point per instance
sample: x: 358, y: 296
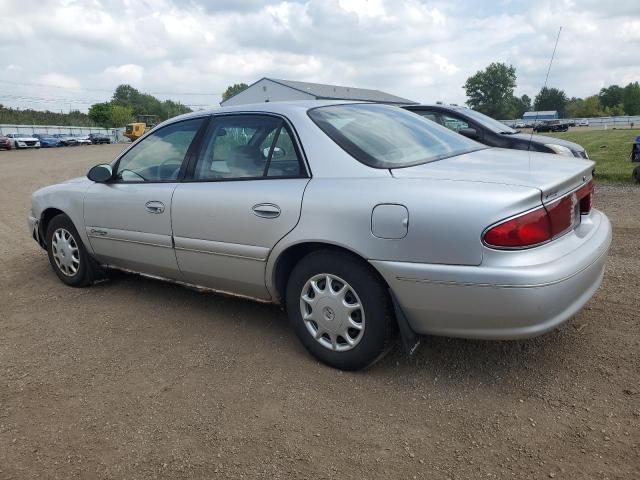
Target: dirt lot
x: 140, y: 379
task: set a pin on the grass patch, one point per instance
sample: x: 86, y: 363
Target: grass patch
x: 610, y: 149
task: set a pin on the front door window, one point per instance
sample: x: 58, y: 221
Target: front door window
x: 159, y: 156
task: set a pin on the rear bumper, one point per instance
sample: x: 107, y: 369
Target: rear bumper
x: 515, y: 294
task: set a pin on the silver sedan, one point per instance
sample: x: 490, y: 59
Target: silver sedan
x: 362, y: 220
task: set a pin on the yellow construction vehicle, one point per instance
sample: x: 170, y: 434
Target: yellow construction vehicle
x: 143, y: 123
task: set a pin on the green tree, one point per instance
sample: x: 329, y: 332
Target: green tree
x: 615, y: 110
x: 120, y: 115
x: 591, y: 107
x: 631, y: 99
x: 146, y: 104
x: 29, y: 116
x: 490, y: 91
x: 233, y: 90
x: 520, y: 106
x: 574, y: 107
x: 550, y: 99
x: 100, y: 113
x: 611, y: 96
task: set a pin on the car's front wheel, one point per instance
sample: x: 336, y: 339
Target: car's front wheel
x: 340, y: 310
x: 67, y: 254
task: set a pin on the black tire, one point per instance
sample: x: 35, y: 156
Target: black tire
x: 87, y: 270
x: 380, y: 326
x: 635, y: 175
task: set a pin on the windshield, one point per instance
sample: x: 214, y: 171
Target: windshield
x: 488, y: 122
x: 382, y: 136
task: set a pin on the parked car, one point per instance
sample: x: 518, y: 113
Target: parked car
x: 21, y: 140
x: 493, y: 133
x: 551, y: 126
x: 99, y: 138
x: 47, y: 141
x: 83, y: 140
x: 67, y: 140
x: 5, y: 143
x: 582, y: 123
x: 361, y: 219
x: 519, y: 125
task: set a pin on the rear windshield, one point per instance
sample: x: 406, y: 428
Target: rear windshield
x: 382, y: 136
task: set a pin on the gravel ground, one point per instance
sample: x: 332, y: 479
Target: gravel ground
x: 135, y: 378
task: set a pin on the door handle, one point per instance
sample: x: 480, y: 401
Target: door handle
x: 266, y: 210
x: 154, y: 206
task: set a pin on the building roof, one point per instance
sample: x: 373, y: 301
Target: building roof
x: 334, y: 92
x: 540, y: 114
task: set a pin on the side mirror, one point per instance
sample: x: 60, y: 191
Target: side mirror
x: 100, y: 173
x: 469, y: 133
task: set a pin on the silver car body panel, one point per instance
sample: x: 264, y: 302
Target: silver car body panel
x: 510, y: 295
x: 428, y: 246
x: 67, y: 197
x: 431, y: 237
x: 124, y: 233
x: 552, y: 175
x: 228, y: 245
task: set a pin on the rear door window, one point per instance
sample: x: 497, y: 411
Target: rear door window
x: 248, y: 147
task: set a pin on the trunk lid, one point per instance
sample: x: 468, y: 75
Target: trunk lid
x: 553, y: 175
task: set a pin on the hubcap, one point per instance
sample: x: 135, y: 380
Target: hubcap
x: 332, y: 312
x: 65, y: 252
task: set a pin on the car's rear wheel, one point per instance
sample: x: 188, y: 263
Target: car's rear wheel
x: 67, y: 254
x: 340, y: 310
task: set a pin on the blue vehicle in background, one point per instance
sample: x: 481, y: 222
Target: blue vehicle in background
x: 48, y: 141
x: 66, y: 139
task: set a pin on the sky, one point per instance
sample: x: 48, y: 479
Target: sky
x: 66, y: 54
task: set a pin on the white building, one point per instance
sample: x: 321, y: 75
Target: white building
x: 274, y: 90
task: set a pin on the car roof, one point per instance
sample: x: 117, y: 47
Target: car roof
x: 270, y: 107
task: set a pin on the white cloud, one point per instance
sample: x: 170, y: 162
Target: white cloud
x: 59, y: 80
x: 423, y: 50
x: 128, y: 73
x: 364, y: 8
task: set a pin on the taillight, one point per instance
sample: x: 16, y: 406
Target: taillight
x: 585, y: 197
x: 543, y: 224
x: 562, y: 214
x: 524, y: 231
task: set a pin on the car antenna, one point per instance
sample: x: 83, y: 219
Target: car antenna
x: 535, y: 120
